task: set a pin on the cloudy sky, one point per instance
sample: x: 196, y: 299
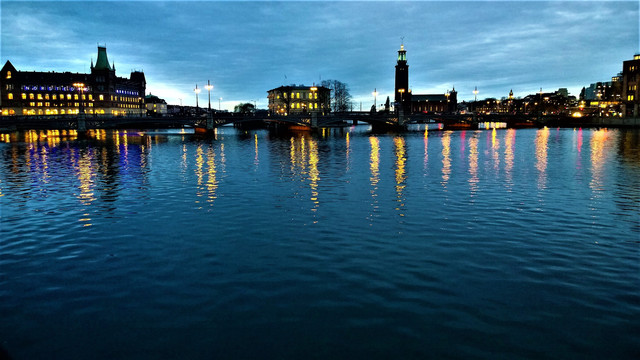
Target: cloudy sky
x: 246, y: 48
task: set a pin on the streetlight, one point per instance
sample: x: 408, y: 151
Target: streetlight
x: 475, y: 94
x: 80, y: 87
x: 197, y: 91
x: 209, y: 87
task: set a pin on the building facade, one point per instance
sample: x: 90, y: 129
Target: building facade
x: 101, y: 92
x: 631, y: 87
x: 155, y: 106
x: 289, y: 100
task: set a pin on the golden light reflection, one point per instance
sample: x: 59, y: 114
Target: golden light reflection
x: 85, y: 175
x: 473, y: 164
x: 446, y: 158
x: 598, y: 158
x: 183, y: 164
x: 542, y: 138
x: 509, y: 144
x: 256, y: 159
x: 314, y: 174
x: 401, y: 176
x: 348, y: 150
x: 495, y: 146
x: 374, y: 166
x: 212, y: 182
x: 426, y: 147
x: 199, y: 163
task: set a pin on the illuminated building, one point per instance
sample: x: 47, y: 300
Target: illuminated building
x: 286, y: 100
x: 402, y: 90
x: 417, y: 103
x: 100, y: 92
x: 155, y: 106
x: 631, y: 86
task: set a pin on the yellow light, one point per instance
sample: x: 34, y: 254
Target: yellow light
x: 576, y: 114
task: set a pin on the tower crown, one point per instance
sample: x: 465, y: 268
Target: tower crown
x: 102, y: 63
x: 402, y: 54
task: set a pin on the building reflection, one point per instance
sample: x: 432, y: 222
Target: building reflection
x: 426, y: 148
x: 473, y: 164
x: 541, y: 141
x: 446, y: 158
x: 400, y: 172
x: 599, y: 140
x: 509, y: 151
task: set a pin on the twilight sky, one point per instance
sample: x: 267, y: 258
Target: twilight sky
x: 246, y: 48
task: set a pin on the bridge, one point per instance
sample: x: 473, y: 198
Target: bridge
x: 380, y: 120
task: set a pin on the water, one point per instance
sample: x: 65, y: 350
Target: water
x: 490, y: 244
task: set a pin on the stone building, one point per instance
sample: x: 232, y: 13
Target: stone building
x: 100, y: 92
x: 631, y: 86
x: 292, y: 99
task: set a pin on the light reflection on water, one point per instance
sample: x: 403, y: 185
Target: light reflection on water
x: 320, y: 245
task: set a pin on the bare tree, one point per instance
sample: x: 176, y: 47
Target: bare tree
x: 341, y: 98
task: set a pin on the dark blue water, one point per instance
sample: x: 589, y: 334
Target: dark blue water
x: 503, y: 244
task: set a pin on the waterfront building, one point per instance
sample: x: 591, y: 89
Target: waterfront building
x: 631, y: 87
x: 99, y: 92
x: 300, y: 99
x: 155, y: 106
x: 402, y: 91
x: 419, y: 103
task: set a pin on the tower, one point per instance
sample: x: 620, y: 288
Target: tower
x: 402, y: 92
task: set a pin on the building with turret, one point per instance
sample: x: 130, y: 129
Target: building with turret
x: 100, y: 92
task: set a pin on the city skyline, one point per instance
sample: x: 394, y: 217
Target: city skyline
x: 246, y: 48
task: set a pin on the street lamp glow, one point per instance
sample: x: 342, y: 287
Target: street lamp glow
x: 209, y: 87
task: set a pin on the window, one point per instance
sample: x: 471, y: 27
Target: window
x: 31, y: 96
x: 101, y: 97
x: 46, y: 96
x: 10, y: 96
x: 47, y: 104
x: 90, y: 97
x: 297, y: 95
x: 55, y: 97
x: 75, y: 96
x: 310, y: 95
x: 68, y: 96
x: 24, y: 96
x: 39, y: 103
x: 8, y: 74
x: 32, y: 104
x: 39, y: 96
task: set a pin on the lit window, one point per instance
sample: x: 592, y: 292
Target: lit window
x: 32, y: 104
x: 55, y: 97
x: 68, y: 96
x: 24, y: 96
x: 76, y: 104
x: 90, y: 97
x: 315, y: 95
x: 31, y: 96
x: 47, y: 104
x: 297, y: 95
x: 101, y: 97
x: 310, y: 95
x: 39, y: 103
x: 8, y: 74
x: 75, y: 96
x: 39, y: 96
x: 10, y: 96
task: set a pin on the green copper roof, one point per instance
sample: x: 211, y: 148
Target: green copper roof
x: 102, y: 63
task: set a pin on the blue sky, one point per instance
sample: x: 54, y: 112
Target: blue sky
x: 246, y: 48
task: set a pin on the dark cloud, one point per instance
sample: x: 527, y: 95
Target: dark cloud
x: 246, y: 48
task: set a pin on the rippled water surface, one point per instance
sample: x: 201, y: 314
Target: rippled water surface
x: 503, y: 244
